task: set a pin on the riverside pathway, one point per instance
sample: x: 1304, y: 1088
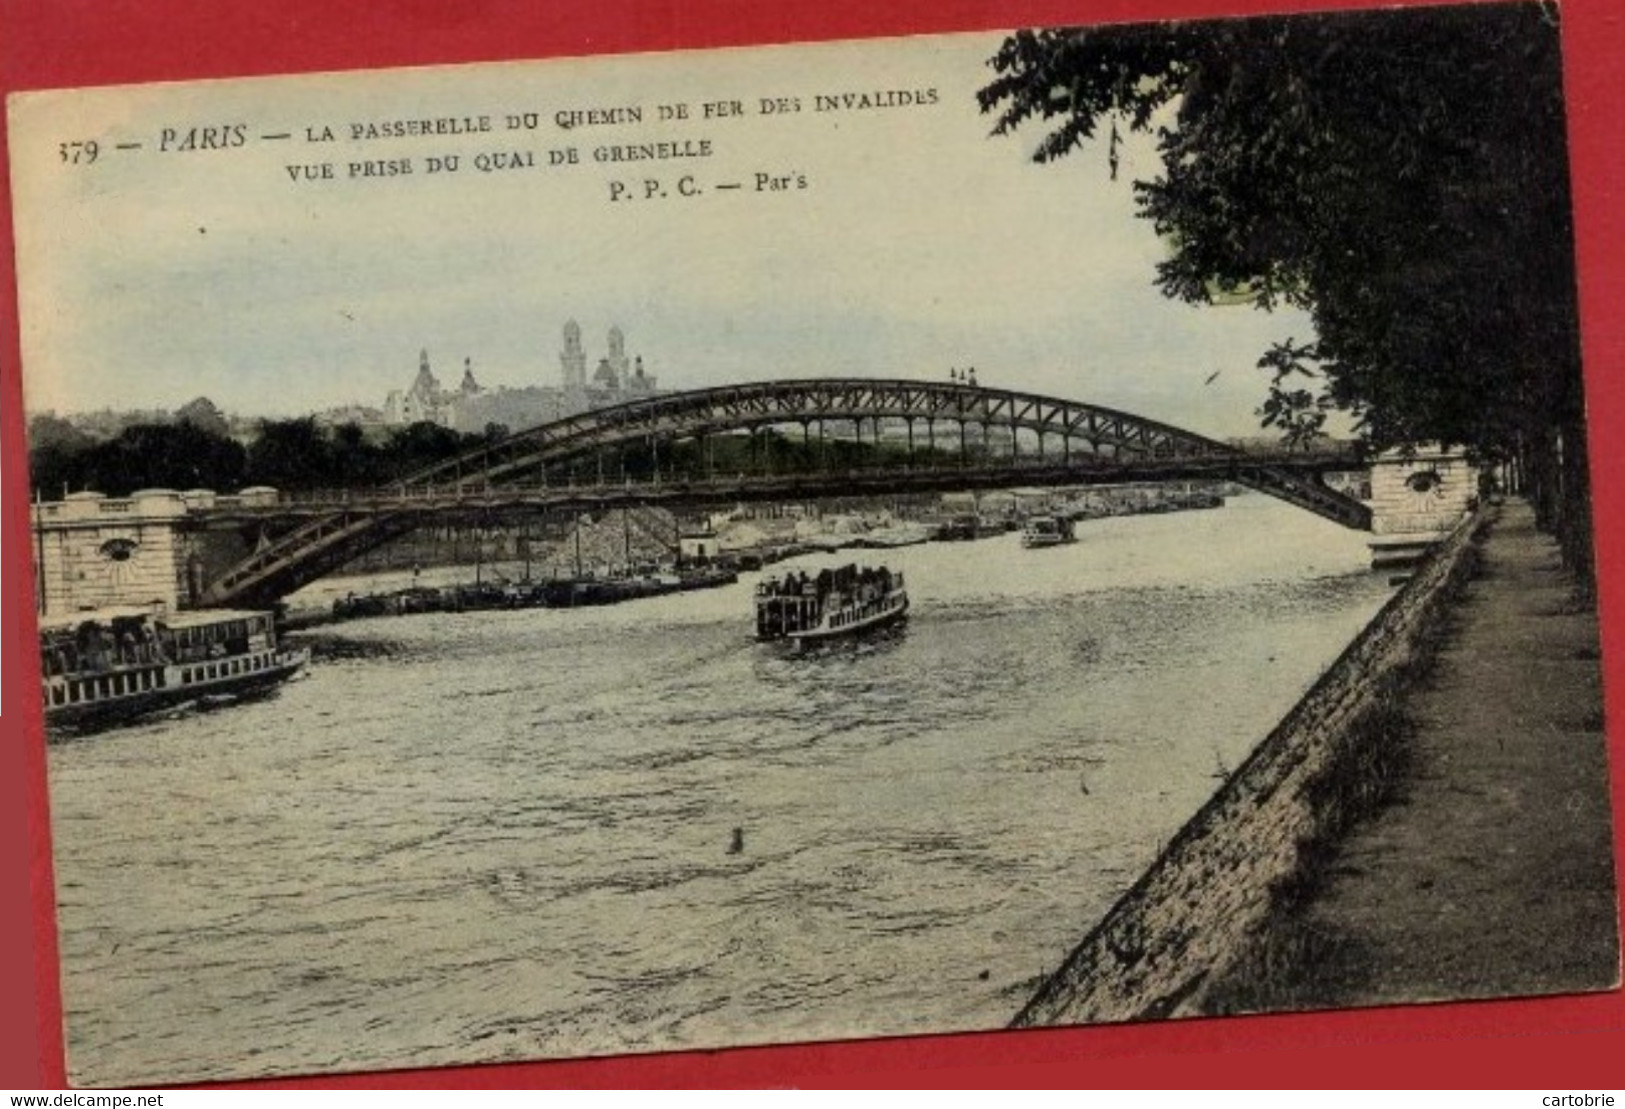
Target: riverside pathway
x: 1492, y: 873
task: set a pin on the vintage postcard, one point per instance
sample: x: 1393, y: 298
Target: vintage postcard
x: 583, y: 557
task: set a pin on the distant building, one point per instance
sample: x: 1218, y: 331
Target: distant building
x: 698, y: 546
x: 425, y: 401
x: 473, y: 408
x: 363, y: 414
x: 615, y: 381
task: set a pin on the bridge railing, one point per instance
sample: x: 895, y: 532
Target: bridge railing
x: 338, y: 500
x: 408, y: 495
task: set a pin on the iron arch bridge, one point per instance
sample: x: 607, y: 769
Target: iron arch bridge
x: 795, y: 439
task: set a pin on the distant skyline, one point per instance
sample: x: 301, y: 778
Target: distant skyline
x: 918, y: 244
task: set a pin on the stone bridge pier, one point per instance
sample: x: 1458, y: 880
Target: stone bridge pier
x: 95, y: 551
x: 1416, y: 500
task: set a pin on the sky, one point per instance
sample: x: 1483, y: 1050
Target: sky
x: 906, y: 242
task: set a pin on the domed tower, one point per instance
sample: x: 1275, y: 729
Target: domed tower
x: 617, y: 359
x: 573, y: 357
x: 640, y: 382
x: 469, y: 385
x: 574, y: 361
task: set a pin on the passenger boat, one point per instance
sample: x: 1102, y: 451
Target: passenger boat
x: 111, y: 665
x: 805, y: 607
x: 1047, y: 531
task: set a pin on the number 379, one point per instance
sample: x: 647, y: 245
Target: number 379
x: 80, y: 153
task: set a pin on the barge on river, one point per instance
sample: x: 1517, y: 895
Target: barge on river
x: 805, y: 607
x: 112, y: 665
x: 1047, y: 531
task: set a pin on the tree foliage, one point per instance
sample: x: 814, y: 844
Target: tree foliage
x: 204, y: 413
x: 142, y: 456
x: 1298, y: 413
x: 1402, y: 175
x: 293, y: 455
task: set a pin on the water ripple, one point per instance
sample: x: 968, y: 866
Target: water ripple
x: 544, y: 833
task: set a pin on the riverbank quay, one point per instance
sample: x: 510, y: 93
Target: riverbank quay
x: 1491, y: 874
x: 1430, y: 821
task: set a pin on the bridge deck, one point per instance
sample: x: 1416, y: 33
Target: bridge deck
x: 1070, y: 443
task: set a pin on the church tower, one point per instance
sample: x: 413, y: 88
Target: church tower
x: 426, y: 384
x: 574, y: 361
x: 617, y: 355
x: 573, y: 358
x: 422, y: 400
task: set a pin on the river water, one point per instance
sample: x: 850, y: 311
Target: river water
x: 500, y: 836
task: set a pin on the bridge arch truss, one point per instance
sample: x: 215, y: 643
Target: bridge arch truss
x: 1067, y: 428
x: 918, y: 434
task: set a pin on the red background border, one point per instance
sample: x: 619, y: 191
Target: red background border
x: 1568, y: 1043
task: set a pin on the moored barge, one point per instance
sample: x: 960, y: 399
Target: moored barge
x: 1047, y: 531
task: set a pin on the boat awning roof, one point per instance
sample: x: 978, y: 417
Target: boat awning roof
x: 189, y: 619
x: 58, y: 621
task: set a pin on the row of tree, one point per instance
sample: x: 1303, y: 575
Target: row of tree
x: 1400, y: 174
x: 294, y: 455
x: 301, y: 455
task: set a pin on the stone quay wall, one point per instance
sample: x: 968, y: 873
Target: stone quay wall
x: 1210, y: 891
